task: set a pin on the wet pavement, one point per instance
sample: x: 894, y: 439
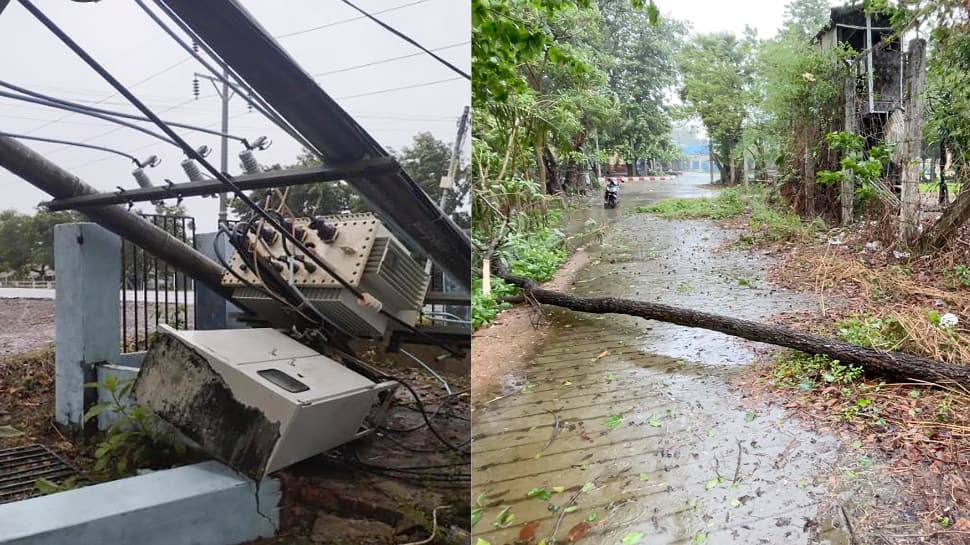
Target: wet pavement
x: 628, y: 431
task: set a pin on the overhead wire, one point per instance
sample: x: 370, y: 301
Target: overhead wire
x: 343, y: 21
x: 82, y: 111
x: 70, y: 143
x: 409, y: 40
x: 55, y: 101
x: 385, y: 61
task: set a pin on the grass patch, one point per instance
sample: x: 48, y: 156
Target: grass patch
x: 728, y: 203
x: 934, y: 187
x: 768, y: 222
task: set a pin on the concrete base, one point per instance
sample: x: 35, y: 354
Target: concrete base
x: 202, y: 504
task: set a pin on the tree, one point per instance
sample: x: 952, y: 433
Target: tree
x: 717, y: 71
x: 641, y: 69
x: 804, y: 18
x: 28, y: 240
x: 427, y: 160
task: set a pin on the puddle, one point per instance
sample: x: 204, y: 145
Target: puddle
x: 620, y: 427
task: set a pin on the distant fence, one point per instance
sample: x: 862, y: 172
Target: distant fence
x: 31, y: 284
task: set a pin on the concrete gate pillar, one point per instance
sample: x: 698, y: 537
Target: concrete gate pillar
x: 87, y: 265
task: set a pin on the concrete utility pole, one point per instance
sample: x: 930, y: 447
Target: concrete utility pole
x: 847, y: 191
x: 909, y: 197
x: 448, y: 181
x: 225, y: 93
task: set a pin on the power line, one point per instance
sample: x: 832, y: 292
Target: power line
x: 387, y: 60
x: 342, y: 21
x: 408, y: 39
x: 402, y: 88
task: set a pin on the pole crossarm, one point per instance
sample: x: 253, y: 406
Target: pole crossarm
x: 278, y: 178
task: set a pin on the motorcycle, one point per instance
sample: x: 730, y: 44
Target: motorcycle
x: 612, y: 194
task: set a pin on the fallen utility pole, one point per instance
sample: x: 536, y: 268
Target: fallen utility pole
x: 891, y: 364
x: 276, y: 178
x: 52, y: 179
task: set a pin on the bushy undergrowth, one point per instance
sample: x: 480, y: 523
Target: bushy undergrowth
x: 535, y: 255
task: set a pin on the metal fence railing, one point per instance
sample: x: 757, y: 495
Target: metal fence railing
x: 153, y: 292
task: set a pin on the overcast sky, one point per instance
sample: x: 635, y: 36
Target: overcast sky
x: 392, y: 100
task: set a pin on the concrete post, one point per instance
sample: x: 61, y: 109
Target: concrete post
x: 212, y: 311
x: 86, y: 313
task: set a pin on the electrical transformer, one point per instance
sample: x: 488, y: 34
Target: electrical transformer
x: 358, y: 248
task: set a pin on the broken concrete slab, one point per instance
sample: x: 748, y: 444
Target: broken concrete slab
x: 180, y: 386
x: 202, y: 504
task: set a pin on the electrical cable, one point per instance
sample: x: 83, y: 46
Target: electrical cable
x: 92, y: 114
x: 70, y: 143
x: 417, y: 399
x: 384, y: 61
x: 222, y: 260
x: 408, y: 39
x: 343, y: 21
x: 114, y: 113
x: 249, y: 95
x: 401, y: 88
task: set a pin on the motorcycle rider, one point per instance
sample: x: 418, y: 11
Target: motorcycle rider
x: 611, y: 185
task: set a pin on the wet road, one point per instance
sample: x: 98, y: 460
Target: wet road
x: 628, y: 431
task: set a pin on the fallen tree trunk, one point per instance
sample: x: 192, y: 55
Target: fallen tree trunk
x: 890, y: 364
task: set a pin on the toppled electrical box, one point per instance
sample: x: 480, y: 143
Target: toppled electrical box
x: 256, y: 399
x: 358, y: 247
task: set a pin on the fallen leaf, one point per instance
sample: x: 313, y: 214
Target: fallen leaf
x: 9, y: 431
x: 632, y: 538
x: 528, y: 532
x: 482, y: 542
x: 655, y: 421
x: 699, y: 538
x: 588, y: 486
x: 578, y: 532
x: 644, y: 477
x: 613, y: 421
x: 603, y: 354
x: 540, y: 493
x: 571, y: 508
x: 559, y: 489
x: 585, y: 436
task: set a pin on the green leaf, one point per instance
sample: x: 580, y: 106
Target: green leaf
x: 96, y: 409
x: 735, y: 502
x: 571, y: 508
x: 865, y: 462
x: 857, y: 444
x: 540, y: 493
x: 644, y: 477
x: 559, y: 489
x: 477, y: 515
x: 714, y: 482
x: 699, y: 538
x: 613, y: 421
x: 46, y: 487
x: 587, y: 487
x: 481, y: 541
x: 592, y: 517
x: 655, y: 421
x: 710, y: 432
x: 504, y: 518
x: 802, y: 483
x: 749, y: 416
x: 632, y: 538
x: 9, y: 431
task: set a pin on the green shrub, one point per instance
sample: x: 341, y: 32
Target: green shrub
x: 798, y: 369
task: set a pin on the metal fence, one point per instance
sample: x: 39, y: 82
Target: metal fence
x: 153, y: 292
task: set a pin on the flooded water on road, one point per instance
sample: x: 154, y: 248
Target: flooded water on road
x: 622, y: 430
